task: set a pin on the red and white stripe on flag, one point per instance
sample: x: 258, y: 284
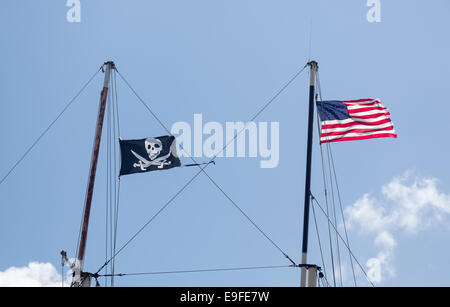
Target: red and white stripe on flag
x: 367, y: 119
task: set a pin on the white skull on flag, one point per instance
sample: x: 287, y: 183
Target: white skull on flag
x: 153, y: 147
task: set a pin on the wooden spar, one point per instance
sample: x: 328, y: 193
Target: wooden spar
x: 93, y: 167
x: 311, y: 282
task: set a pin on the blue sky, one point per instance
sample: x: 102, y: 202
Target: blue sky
x: 225, y: 59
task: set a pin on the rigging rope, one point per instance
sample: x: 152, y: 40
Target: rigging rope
x: 320, y: 244
x: 342, y: 239
x: 148, y: 222
x: 116, y: 178
x: 201, y: 270
x: 117, y: 104
x: 330, y: 159
x: 325, y: 186
x: 202, y: 169
x: 112, y: 180
x: 326, y: 203
x: 335, y: 217
x: 342, y: 214
x: 108, y: 235
x: 48, y: 128
x: 45, y: 131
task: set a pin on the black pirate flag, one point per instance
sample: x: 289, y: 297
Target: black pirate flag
x: 148, y: 154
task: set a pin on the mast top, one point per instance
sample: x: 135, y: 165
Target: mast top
x: 314, y: 68
x: 110, y: 63
x: 313, y: 64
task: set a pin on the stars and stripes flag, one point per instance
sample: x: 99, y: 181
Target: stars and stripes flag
x: 351, y: 120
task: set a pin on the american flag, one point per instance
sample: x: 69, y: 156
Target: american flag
x: 351, y: 120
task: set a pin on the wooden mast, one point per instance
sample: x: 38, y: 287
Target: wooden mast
x: 79, y: 279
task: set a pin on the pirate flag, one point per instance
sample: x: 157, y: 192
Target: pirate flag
x: 148, y: 154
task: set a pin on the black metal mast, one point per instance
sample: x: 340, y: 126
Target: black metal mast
x: 313, y: 65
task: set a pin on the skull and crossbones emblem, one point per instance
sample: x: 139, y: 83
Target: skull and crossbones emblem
x: 153, y: 146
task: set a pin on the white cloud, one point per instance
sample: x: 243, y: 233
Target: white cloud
x: 408, y: 204
x: 34, y: 275
x: 386, y: 240
x: 382, y: 262
x: 418, y: 205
